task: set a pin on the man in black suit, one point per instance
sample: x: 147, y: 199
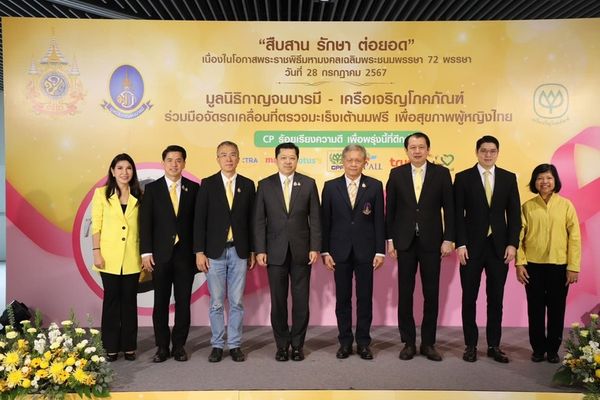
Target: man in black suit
x: 166, y: 229
x: 488, y: 223
x: 223, y: 248
x: 416, y: 194
x: 353, y: 244
x: 287, y: 228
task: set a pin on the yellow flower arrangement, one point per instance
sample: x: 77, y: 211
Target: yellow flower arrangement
x: 581, y: 364
x: 50, y: 363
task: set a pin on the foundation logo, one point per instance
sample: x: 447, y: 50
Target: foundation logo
x: 334, y: 161
x: 54, y: 87
x: 551, y: 103
x: 126, y: 92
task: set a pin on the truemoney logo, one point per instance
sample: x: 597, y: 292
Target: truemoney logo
x: 551, y: 101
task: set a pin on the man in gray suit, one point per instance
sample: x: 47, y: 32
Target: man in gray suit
x: 287, y: 231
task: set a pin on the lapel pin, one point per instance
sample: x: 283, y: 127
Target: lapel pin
x: 363, y: 185
x: 296, y: 184
x: 239, y: 190
x: 184, y: 188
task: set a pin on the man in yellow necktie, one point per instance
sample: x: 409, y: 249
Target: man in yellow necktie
x: 488, y: 223
x: 224, y: 248
x: 166, y: 230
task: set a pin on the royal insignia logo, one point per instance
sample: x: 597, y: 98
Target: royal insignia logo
x: 126, y: 92
x: 54, y: 87
x: 551, y: 101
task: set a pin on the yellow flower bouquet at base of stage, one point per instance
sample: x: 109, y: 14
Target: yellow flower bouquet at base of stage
x: 581, y: 364
x: 51, y: 363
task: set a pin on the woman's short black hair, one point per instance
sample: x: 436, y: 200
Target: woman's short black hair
x: 540, y: 169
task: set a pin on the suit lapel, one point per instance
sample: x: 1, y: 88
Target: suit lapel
x: 362, y: 188
x: 343, y: 190
x: 408, y: 179
x: 115, y: 205
x: 131, y: 203
x: 480, y: 190
x: 278, y: 188
x: 221, y: 191
x: 296, y: 187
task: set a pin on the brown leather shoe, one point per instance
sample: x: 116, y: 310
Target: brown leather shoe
x: 408, y: 352
x: 430, y: 352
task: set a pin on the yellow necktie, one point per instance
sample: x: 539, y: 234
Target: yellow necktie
x: 487, y: 186
x: 175, y: 201
x: 286, y: 193
x: 488, y: 192
x: 418, y: 182
x: 352, y: 190
x: 229, y: 193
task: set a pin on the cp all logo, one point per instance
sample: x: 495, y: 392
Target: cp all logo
x: 551, y: 100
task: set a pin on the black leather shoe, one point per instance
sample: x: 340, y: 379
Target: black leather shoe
x: 364, y: 352
x: 110, y: 357
x: 129, y: 356
x: 470, y: 354
x: 408, y: 352
x: 237, y: 355
x: 216, y: 355
x: 297, y: 354
x: 537, y: 357
x: 161, y: 355
x: 180, y: 354
x: 344, y: 352
x: 553, y: 358
x: 430, y: 352
x: 497, y: 354
x: 282, y: 354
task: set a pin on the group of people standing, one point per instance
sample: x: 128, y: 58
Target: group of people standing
x: 224, y: 227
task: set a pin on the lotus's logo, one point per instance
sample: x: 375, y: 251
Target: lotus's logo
x: 551, y: 101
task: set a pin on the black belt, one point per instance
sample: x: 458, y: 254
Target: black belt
x: 229, y: 244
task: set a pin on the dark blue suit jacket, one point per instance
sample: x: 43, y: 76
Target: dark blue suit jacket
x: 362, y: 229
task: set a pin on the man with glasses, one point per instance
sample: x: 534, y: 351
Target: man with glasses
x: 488, y: 223
x: 223, y: 247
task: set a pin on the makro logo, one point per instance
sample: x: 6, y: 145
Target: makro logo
x: 551, y: 101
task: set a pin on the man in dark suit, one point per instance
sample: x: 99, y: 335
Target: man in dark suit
x: 166, y: 230
x: 353, y: 244
x: 416, y: 194
x: 488, y: 223
x: 223, y: 248
x: 287, y: 228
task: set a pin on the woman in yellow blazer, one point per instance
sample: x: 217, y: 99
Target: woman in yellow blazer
x: 548, y: 260
x: 115, y: 237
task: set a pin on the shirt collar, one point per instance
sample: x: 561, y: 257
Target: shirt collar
x: 282, y: 177
x: 349, y: 181
x: 170, y: 182
x: 481, y: 169
x: 423, y: 168
x: 226, y: 179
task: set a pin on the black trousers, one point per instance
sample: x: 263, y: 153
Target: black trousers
x: 343, y: 274
x: 119, y: 312
x: 280, y: 278
x: 546, y: 297
x: 177, y: 274
x: 428, y: 264
x: 470, y: 279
